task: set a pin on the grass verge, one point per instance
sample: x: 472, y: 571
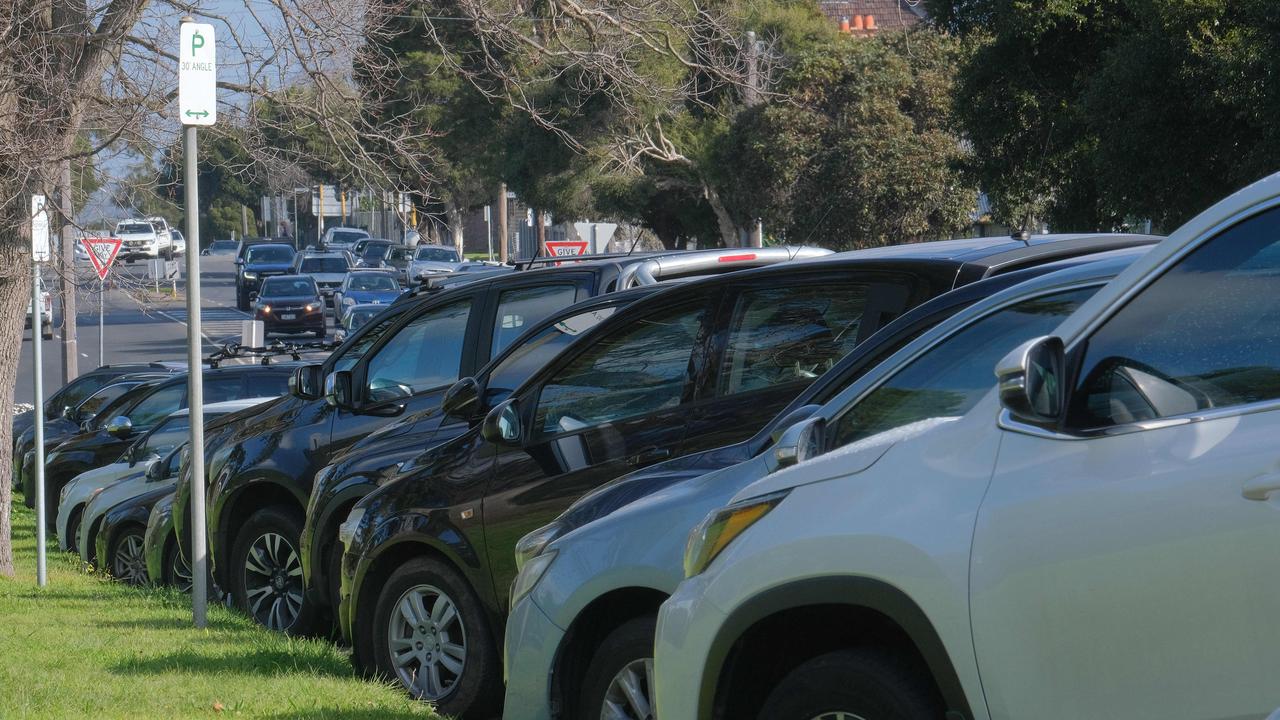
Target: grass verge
x: 85, y: 647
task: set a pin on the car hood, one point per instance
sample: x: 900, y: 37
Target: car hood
x: 136, y: 236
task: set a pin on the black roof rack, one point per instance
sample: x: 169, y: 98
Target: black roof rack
x: 294, y: 351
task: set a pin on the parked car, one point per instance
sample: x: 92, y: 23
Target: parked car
x: 601, y: 569
x: 697, y: 366
x: 178, y: 241
x: 356, y: 317
x: 328, y: 268
x: 219, y: 248
x: 403, y: 363
x: 1095, y: 509
x: 431, y: 260
x: 341, y: 238
x: 103, y: 445
x: 290, y: 304
x: 383, y: 455
x: 165, y: 564
x: 142, y: 240
x: 79, y: 389
x: 256, y: 263
x: 121, y: 532
x: 370, y: 253
x: 46, y: 312
x: 110, y: 484
x: 365, y: 287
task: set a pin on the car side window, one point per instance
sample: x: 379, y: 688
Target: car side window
x: 267, y: 385
x: 535, y: 351
x: 952, y: 376
x: 640, y: 368
x: 424, y: 354
x: 221, y: 390
x: 156, y: 406
x: 168, y: 435
x: 1205, y: 334
x: 783, y: 335
x: 520, y: 308
x: 361, y: 346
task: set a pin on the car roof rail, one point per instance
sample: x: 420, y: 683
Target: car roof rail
x: 715, y: 261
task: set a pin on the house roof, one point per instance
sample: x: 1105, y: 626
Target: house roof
x: 887, y: 14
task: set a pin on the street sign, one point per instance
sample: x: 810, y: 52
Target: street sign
x: 161, y: 269
x: 102, y: 253
x: 566, y: 248
x: 39, y: 229
x: 197, y: 75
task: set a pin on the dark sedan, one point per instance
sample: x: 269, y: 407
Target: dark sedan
x: 290, y: 304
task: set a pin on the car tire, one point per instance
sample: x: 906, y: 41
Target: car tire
x: 859, y: 682
x: 46, y: 332
x: 474, y: 690
x: 73, y: 530
x: 266, y: 572
x: 620, y: 674
x: 126, y: 557
x: 177, y: 572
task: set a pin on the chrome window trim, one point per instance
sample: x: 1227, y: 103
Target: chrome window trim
x: 1008, y: 422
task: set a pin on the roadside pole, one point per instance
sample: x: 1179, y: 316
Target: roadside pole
x: 39, y: 254
x: 197, y: 105
x: 102, y: 311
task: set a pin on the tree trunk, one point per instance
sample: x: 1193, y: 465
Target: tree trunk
x: 15, y: 297
x: 729, y: 231
x: 504, y: 238
x: 456, y: 229
x: 70, y: 352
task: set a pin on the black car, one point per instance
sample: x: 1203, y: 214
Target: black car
x: 104, y: 444
x: 290, y: 304
x: 380, y: 457
x: 79, y: 389
x: 429, y: 557
x: 254, y: 263
x: 261, y: 472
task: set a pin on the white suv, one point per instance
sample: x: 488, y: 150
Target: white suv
x: 1096, y: 538
x: 142, y: 239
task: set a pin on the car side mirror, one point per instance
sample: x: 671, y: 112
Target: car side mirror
x: 306, y: 382
x: 337, y: 389
x: 120, y: 427
x: 155, y: 471
x: 502, y: 425
x: 462, y: 399
x: 800, y: 442
x: 204, y: 251
x: 1031, y: 381
x: 800, y: 414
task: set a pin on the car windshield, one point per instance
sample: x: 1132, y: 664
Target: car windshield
x: 536, y: 350
x: 348, y: 236
x: 398, y: 254
x: 270, y: 254
x: 360, y: 316
x: 288, y: 286
x: 373, y: 281
x: 324, y: 265
x: 375, y: 252
x: 437, y: 254
x: 223, y: 245
x: 134, y: 228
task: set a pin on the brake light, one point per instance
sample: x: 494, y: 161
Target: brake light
x: 737, y: 258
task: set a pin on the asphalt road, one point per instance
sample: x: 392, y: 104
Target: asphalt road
x: 139, y: 326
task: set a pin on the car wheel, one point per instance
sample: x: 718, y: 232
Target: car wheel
x: 177, y: 571
x: 857, y: 683
x: 46, y: 332
x: 266, y: 572
x: 431, y: 636
x: 73, y: 530
x: 128, y: 563
x: 619, y: 681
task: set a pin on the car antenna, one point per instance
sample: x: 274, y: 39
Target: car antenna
x: 634, y: 243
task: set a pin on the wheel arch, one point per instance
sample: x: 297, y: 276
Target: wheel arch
x: 237, y: 509
x: 842, y: 611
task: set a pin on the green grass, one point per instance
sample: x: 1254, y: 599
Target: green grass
x: 85, y: 647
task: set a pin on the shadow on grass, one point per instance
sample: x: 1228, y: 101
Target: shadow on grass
x: 370, y: 714
x: 148, y: 624
x: 252, y: 662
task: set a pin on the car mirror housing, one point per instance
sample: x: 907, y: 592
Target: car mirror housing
x: 120, y: 427
x: 1031, y: 381
x: 306, y: 382
x: 502, y: 425
x: 155, y: 471
x: 800, y: 414
x: 337, y: 389
x: 462, y: 399
x: 800, y: 442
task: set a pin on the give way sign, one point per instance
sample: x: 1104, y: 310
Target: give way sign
x: 102, y: 253
x: 566, y: 248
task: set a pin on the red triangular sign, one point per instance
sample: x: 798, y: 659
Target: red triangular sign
x: 566, y: 248
x: 102, y: 253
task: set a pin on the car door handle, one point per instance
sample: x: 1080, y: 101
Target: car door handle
x: 650, y: 456
x: 1261, y: 487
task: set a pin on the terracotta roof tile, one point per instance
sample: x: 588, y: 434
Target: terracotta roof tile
x: 888, y: 14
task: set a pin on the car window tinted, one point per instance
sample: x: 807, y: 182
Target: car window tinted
x: 437, y: 254
x: 519, y: 309
x: 790, y: 334
x: 357, y: 349
x: 267, y: 385
x: 134, y: 229
x: 398, y: 253
x: 79, y: 390
x: 952, y: 376
x: 323, y: 265
x: 223, y: 245
x: 99, y: 400
x: 1205, y: 334
x: 113, y: 408
x: 347, y: 236
x: 156, y: 406
x: 168, y: 435
x: 269, y: 254
x: 424, y: 354
x: 372, y: 281
x: 288, y: 287
x: 533, y: 352
x: 376, y: 252
x: 640, y: 368
x: 221, y: 389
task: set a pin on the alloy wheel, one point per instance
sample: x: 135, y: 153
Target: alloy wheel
x: 273, y: 581
x: 130, y: 563
x: 427, y: 642
x: 630, y: 693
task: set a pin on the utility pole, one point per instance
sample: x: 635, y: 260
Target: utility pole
x: 70, y: 351
x: 503, y: 236
x: 39, y: 253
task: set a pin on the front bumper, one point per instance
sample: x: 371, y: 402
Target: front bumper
x: 687, y: 626
x: 528, y: 661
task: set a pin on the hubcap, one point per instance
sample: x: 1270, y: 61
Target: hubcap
x: 630, y: 693
x: 273, y: 581
x: 129, y: 564
x: 427, y: 642
x: 181, y: 573
x: 839, y: 715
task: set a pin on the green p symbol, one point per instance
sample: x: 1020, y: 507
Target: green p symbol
x: 197, y: 42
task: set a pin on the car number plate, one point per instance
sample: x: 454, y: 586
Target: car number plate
x: 288, y: 316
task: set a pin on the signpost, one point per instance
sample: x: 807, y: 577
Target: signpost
x: 197, y: 105
x: 39, y: 254
x: 102, y: 255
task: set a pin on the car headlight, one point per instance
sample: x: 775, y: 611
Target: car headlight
x: 266, y: 309
x: 530, y: 574
x: 347, y: 530
x: 250, y: 276
x: 311, y: 308
x: 532, y: 545
x: 721, y: 527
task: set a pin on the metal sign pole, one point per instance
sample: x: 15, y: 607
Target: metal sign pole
x: 102, y: 310
x: 37, y: 356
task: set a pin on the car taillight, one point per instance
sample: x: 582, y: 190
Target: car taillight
x: 737, y: 258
